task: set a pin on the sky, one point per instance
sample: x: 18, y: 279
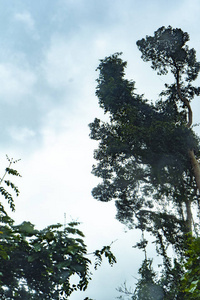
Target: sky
x: 49, y: 51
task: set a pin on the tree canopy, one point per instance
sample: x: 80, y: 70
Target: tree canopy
x: 148, y: 151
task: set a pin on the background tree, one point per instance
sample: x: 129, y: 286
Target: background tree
x: 146, y: 288
x: 147, y: 151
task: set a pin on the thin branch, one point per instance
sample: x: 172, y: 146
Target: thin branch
x: 2, y: 179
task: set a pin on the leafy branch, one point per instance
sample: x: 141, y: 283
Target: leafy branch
x: 9, y: 171
x: 105, y: 251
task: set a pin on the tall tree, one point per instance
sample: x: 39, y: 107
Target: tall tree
x: 147, y: 154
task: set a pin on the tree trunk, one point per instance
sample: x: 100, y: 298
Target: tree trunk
x: 193, y: 160
x: 189, y: 216
x: 182, y: 98
x: 195, y: 168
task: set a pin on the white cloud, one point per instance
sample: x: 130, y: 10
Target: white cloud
x: 26, y: 19
x: 188, y: 12
x: 21, y: 134
x: 15, y: 83
x: 62, y: 63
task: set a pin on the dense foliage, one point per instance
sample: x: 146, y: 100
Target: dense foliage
x: 147, y: 154
x: 190, y: 282
x: 42, y: 264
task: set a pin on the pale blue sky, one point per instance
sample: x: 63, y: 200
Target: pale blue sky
x: 49, y: 51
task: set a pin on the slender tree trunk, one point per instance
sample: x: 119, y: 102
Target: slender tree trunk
x: 183, y: 99
x: 195, y: 168
x: 194, y: 163
x: 193, y: 160
x: 189, y: 215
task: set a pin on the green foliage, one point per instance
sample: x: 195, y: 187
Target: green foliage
x: 191, y: 279
x: 167, y: 49
x: 147, y: 289
x: 107, y: 253
x: 142, y: 155
x: 42, y: 264
x: 3, y: 190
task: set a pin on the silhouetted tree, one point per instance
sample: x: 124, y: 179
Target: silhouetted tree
x: 148, y: 152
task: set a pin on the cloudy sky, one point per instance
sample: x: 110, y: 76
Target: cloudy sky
x: 49, y: 51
